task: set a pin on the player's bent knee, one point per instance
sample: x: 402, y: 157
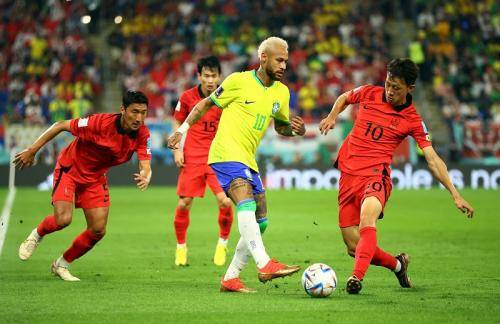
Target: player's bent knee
x: 226, y: 203
x: 185, y: 203
x: 99, y: 232
x: 63, y: 219
x: 351, y: 251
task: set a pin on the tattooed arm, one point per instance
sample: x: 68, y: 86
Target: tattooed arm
x: 296, y: 127
x: 198, y: 111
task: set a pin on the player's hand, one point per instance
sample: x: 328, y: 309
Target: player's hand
x: 142, y: 180
x: 298, y: 126
x: 464, y: 206
x: 25, y: 158
x: 174, y: 140
x: 326, y: 124
x: 179, y: 158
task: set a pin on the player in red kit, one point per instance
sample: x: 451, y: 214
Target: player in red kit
x: 102, y: 141
x: 195, y: 174
x: 386, y: 117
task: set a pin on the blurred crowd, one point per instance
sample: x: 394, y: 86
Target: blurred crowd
x: 457, y: 48
x: 48, y: 70
x: 333, y: 46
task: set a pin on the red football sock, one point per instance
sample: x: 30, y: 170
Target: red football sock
x: 365, y: 250
x: 47, y: 226
x: 384, y: 259
x: 81, y: 245
x: 181, y: 223
x: 225, y: 222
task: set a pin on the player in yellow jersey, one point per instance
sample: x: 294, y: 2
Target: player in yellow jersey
x: 249, y: 100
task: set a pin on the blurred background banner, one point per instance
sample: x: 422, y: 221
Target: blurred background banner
x: 68, y: 59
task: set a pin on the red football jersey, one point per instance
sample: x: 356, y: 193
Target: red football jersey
x: 200, y: 135
x: 100, y: 144
x: 378, y: 130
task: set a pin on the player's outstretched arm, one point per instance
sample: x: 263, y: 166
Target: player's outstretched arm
x: 26, y: 158
x: 440, y: 171
x: 198, y: 111
x: 144, y: 176
x: 296, y: 127
x: 329, y: 122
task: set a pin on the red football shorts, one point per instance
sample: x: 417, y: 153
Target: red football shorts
x: 91, y: 195
x: 193, y: 179
x: 354, y: 189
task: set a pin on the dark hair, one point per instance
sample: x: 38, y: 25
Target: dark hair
x: 131, y: 97
x: 210, y: 62
x: 403, y: 68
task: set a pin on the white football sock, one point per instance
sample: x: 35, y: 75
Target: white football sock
x: 240, y: 259
x: 398, y: 266
x: 35, y: 234
x: 180, y: 246
x: 250, y: 232
x: 61, y: 262
x: 222, y: 241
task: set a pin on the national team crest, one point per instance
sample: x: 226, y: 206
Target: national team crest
x: 394, y: 122
x: 276, y: 107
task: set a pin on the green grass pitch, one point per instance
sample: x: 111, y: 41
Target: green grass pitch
x: 130, y: 275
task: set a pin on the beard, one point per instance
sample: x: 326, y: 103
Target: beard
x: 273, y: 75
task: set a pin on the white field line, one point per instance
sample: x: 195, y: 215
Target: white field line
x: 4, y: 218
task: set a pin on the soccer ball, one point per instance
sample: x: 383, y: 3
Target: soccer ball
x: 319, y: 280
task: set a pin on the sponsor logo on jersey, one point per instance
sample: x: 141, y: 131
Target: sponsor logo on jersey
x: 83, y: 122
x: 276, y: 107
x: 218, y: 92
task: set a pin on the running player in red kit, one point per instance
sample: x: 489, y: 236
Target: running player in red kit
x: 195, y: 174
x: 386, y: 117
x: 102, y: 141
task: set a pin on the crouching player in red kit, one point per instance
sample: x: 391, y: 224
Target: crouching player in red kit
x: 102, y: 141
x: 192, y: 159
x: 386, y: 117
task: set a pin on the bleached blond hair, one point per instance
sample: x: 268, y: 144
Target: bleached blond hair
x: 270, y: 41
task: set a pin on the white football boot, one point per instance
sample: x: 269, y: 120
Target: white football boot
x: 29, y: 246
x: 62, y: 272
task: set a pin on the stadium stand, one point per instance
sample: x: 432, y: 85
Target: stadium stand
x: 458, y: 43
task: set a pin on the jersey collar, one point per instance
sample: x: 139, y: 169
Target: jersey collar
x: 201, y: 92
x: 409, y: 101
x: 260, y: 82
x: 120, y: 129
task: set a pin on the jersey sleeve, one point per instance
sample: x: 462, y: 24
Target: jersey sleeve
x: 144, y: 148
x: 419, y: 132
x: 281, y: 110
x: 227, y: 91
x: 181, y: 110
x: 86, y: 128
x: 356, y: 95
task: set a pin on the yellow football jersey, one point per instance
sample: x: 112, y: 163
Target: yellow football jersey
x: 248, y: 107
